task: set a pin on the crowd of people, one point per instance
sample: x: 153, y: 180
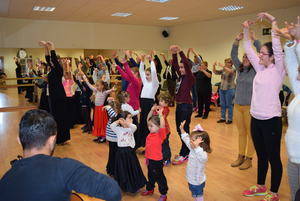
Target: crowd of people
x: 249, y: 97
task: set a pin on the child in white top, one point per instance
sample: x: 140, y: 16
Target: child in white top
x: 199, y: 144
x: 128, y: 172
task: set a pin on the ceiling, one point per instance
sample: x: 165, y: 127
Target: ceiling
x: 144, y: 12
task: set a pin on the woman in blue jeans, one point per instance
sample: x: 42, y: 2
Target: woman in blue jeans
x: 227, y: 89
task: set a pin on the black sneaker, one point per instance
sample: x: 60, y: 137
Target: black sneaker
x: 228, y: 122
x: 198, y: 116
x: 96, y: 140
x: 221, y: 121
x: 204, y: 117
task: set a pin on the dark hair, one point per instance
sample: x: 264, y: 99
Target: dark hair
x: 269, y: 48
x: 36, y: 126
x: 165, y: 97
x: 155, y: 119
x: 122, y: 114
x: 242, y: 67
x: 104, y: 84
x: 121, y: 96
x: 206, y: 140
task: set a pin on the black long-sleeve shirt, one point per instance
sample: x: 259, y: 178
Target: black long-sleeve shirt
x: 47, y: 178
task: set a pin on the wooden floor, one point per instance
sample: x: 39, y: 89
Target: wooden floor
x: 224, y: 183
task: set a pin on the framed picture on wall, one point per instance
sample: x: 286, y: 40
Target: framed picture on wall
x: 2, y: 63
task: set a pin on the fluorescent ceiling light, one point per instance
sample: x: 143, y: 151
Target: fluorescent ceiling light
x: 231, y: 8
x: 121, y: 14
x: 159, y: 1
x: 168, y: 18
x: 43, y: 8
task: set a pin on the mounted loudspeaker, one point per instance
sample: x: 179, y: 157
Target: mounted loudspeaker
x: 165, y: 34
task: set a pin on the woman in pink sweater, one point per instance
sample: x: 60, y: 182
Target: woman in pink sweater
x: 134, y: 83
x: 266, y: 124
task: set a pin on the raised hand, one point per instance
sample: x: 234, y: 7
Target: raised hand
x: 266, y: 16
x: 123, y: 60
x: 149, y: 57
x: 143, y: 57
x: 247, y: 24
x: 174, y: 49
x: 42, y: 43
x: 239, y: 37
x: 294, y: 29
x: 181, y: 127
x: 114, y: 54
x: 127, y: 52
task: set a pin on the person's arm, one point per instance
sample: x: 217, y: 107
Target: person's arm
x: 115, y: 127
x: 292, y: 65
x: 174, y: 63
x: 251, y: 54
x: 82, y: 179
x: 186, y: 139
x: 154, y: 77
x: 151, y: 112
x: 217, y: 72
x: 278, y: 53
x: 130, y: 109
x: 142, y: 71
x: 132, y: 128
x: 133, y: 62
x: 123, y: 73
x: 228, y: 70
x: 235, y: 51
x: 128, y: 71
x: 207, y: 74
x: 89, y: 84
x: 161, y: 118
x: 158, y: 64
x: 197, y: 56
x: 118, y: 62
x: 57, y: 67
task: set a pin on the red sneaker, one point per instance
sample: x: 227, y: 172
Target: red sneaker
x: 145, y: 193
x: 271, y: 197
x: 255, y: 191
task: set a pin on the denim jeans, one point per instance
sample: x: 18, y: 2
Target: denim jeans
x: 226, y: 101
x: 197, y: 190
x: 183, y: 112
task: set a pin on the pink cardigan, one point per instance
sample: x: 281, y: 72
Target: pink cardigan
x: 134, y: 86
x: 267, y: 83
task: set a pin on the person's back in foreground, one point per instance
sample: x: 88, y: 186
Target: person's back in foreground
x: 39, y: 176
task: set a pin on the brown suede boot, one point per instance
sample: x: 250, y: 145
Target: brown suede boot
x: 246, y: 164
x: 239, y: 161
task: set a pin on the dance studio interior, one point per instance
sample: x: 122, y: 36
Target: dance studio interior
x: 156, y: 100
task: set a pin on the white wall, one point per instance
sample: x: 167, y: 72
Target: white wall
x: 17, y: 33
x: 213, y: 39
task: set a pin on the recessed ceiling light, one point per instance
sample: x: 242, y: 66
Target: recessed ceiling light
x: 159, y: 1
x: 231, y: 8
x: 168, y: 18
x: 43, y: 8
x: 121, y: 14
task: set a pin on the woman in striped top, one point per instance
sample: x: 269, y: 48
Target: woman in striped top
x: 266, y: 124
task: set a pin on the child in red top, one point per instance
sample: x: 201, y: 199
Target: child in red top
x: 153, y: 153
x: 164, y: 101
